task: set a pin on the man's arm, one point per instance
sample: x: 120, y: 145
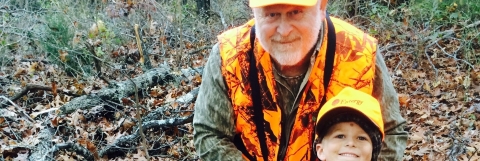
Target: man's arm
x: 213, y: 123
x: 395, y: 141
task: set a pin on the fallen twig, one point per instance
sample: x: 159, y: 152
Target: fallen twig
x: 129, y: 140
x: 430, y: 61
x: 73, y: 147
x: 139, y: 118
x: 35, y: 114
x: 446, y: 53
x: 35, y: 60
x: 475, y: 152
x: 472, y: 25
x: 401, y: 60
x: 45, y: 150
x: 387, y: 47
x: 446, y: 33
x: 19, y: 110
x: 26, y: 60
x: 42, y: 150
x: 13, y: 132
x: 96, y: 60
x: 168, y: 122
x: 31, y: 87
x: 139, y: 44
x: 458, y: 144
x: 121, y: 90
x: 200, y: 49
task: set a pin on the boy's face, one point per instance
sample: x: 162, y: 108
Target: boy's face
x: 345, y: 141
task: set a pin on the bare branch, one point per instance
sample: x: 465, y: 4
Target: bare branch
x: 129, y: 140
x: 139, y: 45
x: 387, y: 47
x: 91, y: 48
x: 472, y: 25
x: 73, y: 147
x: 454, y: 57
x: 200, y: 49
x: 120, y: 90
x: 19, y: 110
x: 35, y: 114
x: 32, y: 87
x: 430, y: 61
x: 139, y: 117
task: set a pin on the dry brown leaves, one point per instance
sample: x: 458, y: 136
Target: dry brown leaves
x: 442, y: 112
x: 101, y: 125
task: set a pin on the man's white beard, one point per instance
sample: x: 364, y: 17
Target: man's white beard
x: 288, y: 57
x: 292, y: 53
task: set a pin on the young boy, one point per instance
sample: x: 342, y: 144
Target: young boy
x: 349, y: 127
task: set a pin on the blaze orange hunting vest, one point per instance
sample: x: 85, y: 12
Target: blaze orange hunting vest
x: 354, y: 66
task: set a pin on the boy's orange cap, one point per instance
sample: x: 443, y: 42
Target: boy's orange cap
x: 353, y: 99
x: 261, y: 3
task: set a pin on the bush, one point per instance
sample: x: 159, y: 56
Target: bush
x: 30, y: 5
x: 60, y: 49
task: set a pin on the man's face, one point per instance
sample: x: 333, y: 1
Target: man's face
x: 288, y: 32
x: 345, y: 141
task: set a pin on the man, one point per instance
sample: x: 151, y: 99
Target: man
x: 265, y: 81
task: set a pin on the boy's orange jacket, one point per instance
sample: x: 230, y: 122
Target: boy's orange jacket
x: 354, y: 67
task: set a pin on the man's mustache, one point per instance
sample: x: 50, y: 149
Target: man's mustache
x: 282, y: 39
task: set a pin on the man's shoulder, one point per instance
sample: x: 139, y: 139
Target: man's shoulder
x: 343, y: 27
x: 238, y: 31
x: 353, y: 38
x: 235, y: 42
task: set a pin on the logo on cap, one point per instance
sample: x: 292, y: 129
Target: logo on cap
x: 357, y: 102
x: 335, y: 102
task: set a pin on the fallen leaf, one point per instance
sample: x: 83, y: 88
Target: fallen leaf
x: 174, y: 105
x: 7, y: 113
x: 127, y: 124
x: 66, y: 158
x: 22, y: 155
x: 57, y: 102
x: 20, y: 72
x: 424, y: 149
x: 436, y: 83
x: 54, y: 121
x: 118, y: 115
x: 33, y: 67
x: 63, y: 55
x: 437, y: 92
x: 426, y: 86
x: 140, y: 156
x: 54, y: 89
x: 403, y: 99
x: 87, y: 144
x: 93, y: 31
x: 466, y: 82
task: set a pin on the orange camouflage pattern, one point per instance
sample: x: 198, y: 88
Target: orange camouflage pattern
x: 354, y: 67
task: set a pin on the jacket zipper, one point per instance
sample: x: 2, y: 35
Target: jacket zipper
x: 285, y: 138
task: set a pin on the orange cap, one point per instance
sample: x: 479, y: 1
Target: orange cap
x: 352, y: 99
x: 261, y: 3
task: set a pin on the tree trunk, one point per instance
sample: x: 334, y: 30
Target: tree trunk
x: 202, y: 7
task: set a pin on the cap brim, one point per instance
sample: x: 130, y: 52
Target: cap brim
x: 334, y: 111
x: 263, y: 3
